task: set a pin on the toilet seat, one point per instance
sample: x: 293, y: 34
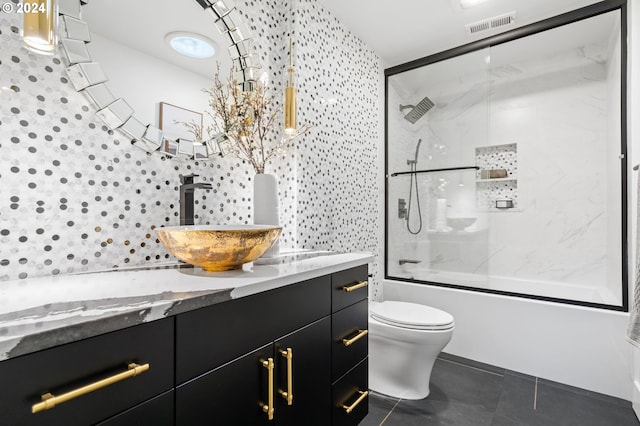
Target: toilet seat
x: 411, y: 315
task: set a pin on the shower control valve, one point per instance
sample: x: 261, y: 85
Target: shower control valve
x: 402, y: 208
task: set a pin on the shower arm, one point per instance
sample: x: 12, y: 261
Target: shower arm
x: 448, y: 169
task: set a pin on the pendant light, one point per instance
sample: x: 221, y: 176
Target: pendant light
x: 39, y: 26
x: 290, y: 95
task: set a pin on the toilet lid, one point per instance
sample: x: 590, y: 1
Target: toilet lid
x: 411, y: 315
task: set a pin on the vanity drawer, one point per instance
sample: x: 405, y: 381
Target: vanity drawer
x: 350, y: 344
x: 212, y: 336
x: 158, y: 411
x: 78, y: 365
x: 351, y: 396
x: 347, y: 287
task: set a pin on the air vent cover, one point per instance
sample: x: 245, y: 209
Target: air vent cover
x: 491, y: 23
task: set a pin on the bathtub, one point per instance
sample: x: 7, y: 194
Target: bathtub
x: 575, y: 345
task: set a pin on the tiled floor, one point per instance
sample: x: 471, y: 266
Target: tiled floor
x: 467, y: 393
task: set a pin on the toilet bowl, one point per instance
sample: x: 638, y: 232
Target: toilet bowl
x: 404, y: 342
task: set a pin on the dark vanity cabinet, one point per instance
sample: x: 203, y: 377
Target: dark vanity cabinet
x: 294, y: 355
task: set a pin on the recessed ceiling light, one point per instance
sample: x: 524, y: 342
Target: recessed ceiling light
x: 466, y: 4
x: 191, y: 44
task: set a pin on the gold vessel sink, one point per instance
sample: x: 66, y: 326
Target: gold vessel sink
x: 218, y: 247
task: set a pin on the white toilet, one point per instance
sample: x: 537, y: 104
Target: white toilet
x: 404, y: 341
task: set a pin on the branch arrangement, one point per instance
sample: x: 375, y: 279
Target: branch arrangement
x: 249, y: 121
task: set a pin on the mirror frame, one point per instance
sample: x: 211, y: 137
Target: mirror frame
x: 88, y: 78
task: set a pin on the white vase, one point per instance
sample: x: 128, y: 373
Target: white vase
x: 265, y: 206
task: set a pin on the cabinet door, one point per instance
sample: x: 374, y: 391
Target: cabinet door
x: 233, y: 394
x: 310, y: 376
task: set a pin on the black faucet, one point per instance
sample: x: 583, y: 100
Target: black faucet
x: 186, y: 197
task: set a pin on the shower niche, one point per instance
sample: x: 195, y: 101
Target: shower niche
x: 507, y: 153
x: 497, y: 178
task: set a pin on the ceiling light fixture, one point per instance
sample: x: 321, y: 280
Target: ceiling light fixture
x: 39, y: 33
x: 466, y: 4
x: 290, y: 104
x: 191, y: 44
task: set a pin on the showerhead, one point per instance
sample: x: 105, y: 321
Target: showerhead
x: 419, y: 110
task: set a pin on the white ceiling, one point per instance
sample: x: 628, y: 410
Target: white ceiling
x: 397, y: 31
x: 404, y: 30
x: 143, y: 25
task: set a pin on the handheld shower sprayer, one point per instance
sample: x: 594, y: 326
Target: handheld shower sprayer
x: 415, y: 158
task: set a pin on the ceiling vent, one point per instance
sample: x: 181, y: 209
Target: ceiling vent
x: 491, y: 23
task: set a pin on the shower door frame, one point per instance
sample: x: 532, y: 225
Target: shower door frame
x: 517, y: 33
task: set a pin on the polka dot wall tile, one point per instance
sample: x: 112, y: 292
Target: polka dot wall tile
x: 79, y: 197
x: 339, y: 80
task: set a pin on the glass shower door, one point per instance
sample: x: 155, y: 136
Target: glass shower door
x: 437, y: 118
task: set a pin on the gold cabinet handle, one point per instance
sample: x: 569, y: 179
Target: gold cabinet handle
x: 269, y: 408
x: 49, y: 401
x: 350, y: 408
x: 356, y: 286
x: 288, y: 395
x: 360, y: 335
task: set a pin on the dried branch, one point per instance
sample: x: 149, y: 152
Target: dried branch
x: 249, y: 120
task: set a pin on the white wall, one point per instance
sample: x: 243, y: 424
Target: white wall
x: 577, y: 346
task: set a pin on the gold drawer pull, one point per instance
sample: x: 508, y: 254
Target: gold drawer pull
x: 350, y: 408
x: 360, y: 335
x: 288, y: 395
x: 269, y: 408
x: 49, y: 401
x: 356, y: 286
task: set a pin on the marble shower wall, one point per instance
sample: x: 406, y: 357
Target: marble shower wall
x: 78, y: 197
x: 558, y: 117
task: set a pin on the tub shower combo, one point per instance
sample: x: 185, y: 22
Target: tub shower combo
x: 505, y: 177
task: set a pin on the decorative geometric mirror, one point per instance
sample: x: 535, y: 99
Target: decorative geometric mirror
x: 87, y: 77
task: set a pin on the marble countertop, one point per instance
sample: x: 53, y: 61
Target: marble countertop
x: 40, y: 313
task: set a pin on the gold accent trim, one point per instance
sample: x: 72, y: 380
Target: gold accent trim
x: 350, y: 408
x: 269, y: 408
x: 49, y: 401
x: 360, y: 335
x: 356, y: 286
x: 288, y: 395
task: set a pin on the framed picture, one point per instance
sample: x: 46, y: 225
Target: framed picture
x: 172, y: 118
